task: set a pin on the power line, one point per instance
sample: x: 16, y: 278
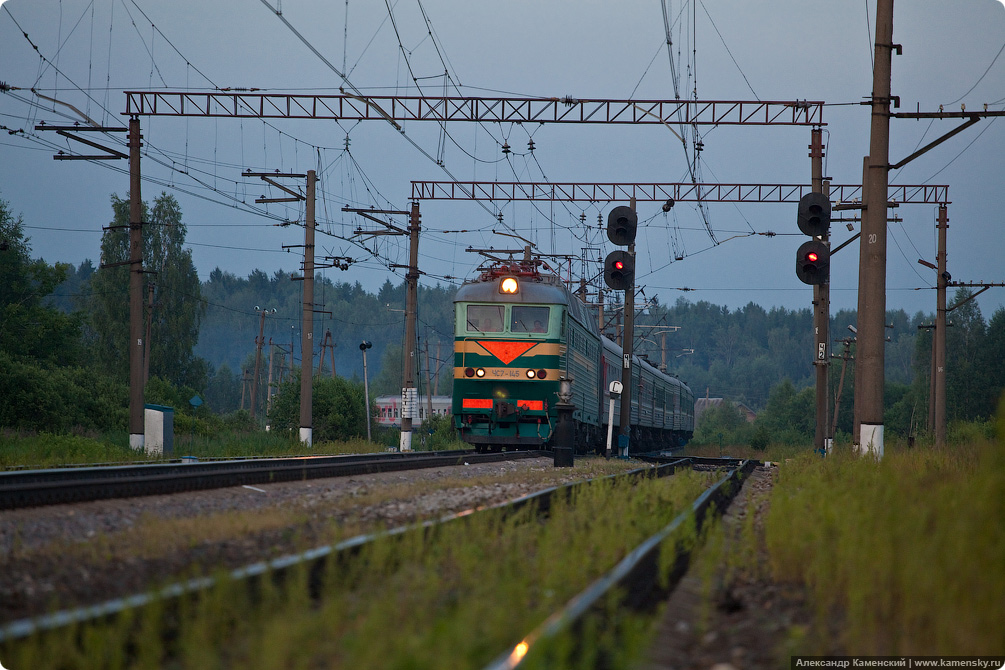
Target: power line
x: 981, y: 78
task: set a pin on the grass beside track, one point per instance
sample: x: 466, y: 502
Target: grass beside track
x: 453, y: 597
x: 43, y: 450
x: 901, y: 556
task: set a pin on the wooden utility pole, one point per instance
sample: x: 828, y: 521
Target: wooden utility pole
x: 244, y: 385
x: 436, y: 377
x: 327, y: 347
x: 845, y: 357
x: 259, y: 341
x: 870, y: 354
x: 136, y: 344
x: 600, y: 310
x: 663, y: 351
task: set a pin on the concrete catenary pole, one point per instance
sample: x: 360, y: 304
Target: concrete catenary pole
x: 268, y: 387
x: 429, y: 387
x: 136, y: 344
x: 364, y: 345
x: 409, y: 399
x: 939, y: 370
x: 150, y: 322
x: 307, y: 326
x: 870, y: 354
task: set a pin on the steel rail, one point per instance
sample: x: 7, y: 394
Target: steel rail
x: 315, y: 561
x: 49, y: 487
x: 636, y: 577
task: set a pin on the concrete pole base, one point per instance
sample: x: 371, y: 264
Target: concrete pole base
x: 871, y: 440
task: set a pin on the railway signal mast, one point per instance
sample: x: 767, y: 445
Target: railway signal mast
x: 813, y: 267
x: 619, y: 274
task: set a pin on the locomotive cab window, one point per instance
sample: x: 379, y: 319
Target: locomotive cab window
x: 528, y: 319
x: 485, y: 318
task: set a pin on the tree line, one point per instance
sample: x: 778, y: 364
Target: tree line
x: 64, y: 332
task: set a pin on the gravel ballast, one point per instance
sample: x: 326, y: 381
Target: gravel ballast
x: 72, y: 555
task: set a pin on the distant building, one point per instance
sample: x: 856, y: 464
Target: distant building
x: 389, y: 409
x: 748, y: 413
x: 702, y: 405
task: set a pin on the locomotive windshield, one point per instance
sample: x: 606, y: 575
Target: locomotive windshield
x: 493, y: 319
x: 529, y: 319
x: 485, y: 318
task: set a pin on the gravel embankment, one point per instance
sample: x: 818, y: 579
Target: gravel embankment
x: 71, y: 555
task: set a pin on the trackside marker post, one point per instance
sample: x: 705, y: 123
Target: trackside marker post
x: 615, y: 391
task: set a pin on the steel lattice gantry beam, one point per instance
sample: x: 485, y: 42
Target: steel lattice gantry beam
x: 393, y: 108
x: 654, y: 192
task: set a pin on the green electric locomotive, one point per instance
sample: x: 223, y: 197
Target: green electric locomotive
x: 517, y: 334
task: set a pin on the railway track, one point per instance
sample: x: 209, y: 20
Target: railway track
x: 317, y: 563
x: 33, y: 488
x: 635, y: 582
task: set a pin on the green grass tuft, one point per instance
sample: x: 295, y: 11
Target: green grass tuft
x: 907, y: 553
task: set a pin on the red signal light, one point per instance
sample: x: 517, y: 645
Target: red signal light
x: 619, y: 265
x: 813, y: 257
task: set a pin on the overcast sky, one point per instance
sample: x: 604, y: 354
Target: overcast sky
x: 85, y: 54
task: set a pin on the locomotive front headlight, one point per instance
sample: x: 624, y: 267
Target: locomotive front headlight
x: 531, y: 374
x: 480, y: 372
x: 509, y: 285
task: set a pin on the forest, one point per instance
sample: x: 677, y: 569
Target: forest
x: 63, y: 337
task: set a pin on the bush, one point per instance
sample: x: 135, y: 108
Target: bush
x: 437, y: 434
x: 789, y: 418
x: 760, y: 438
x: 723, y: 423
x: 336, y: 407
x: 59, y: 399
